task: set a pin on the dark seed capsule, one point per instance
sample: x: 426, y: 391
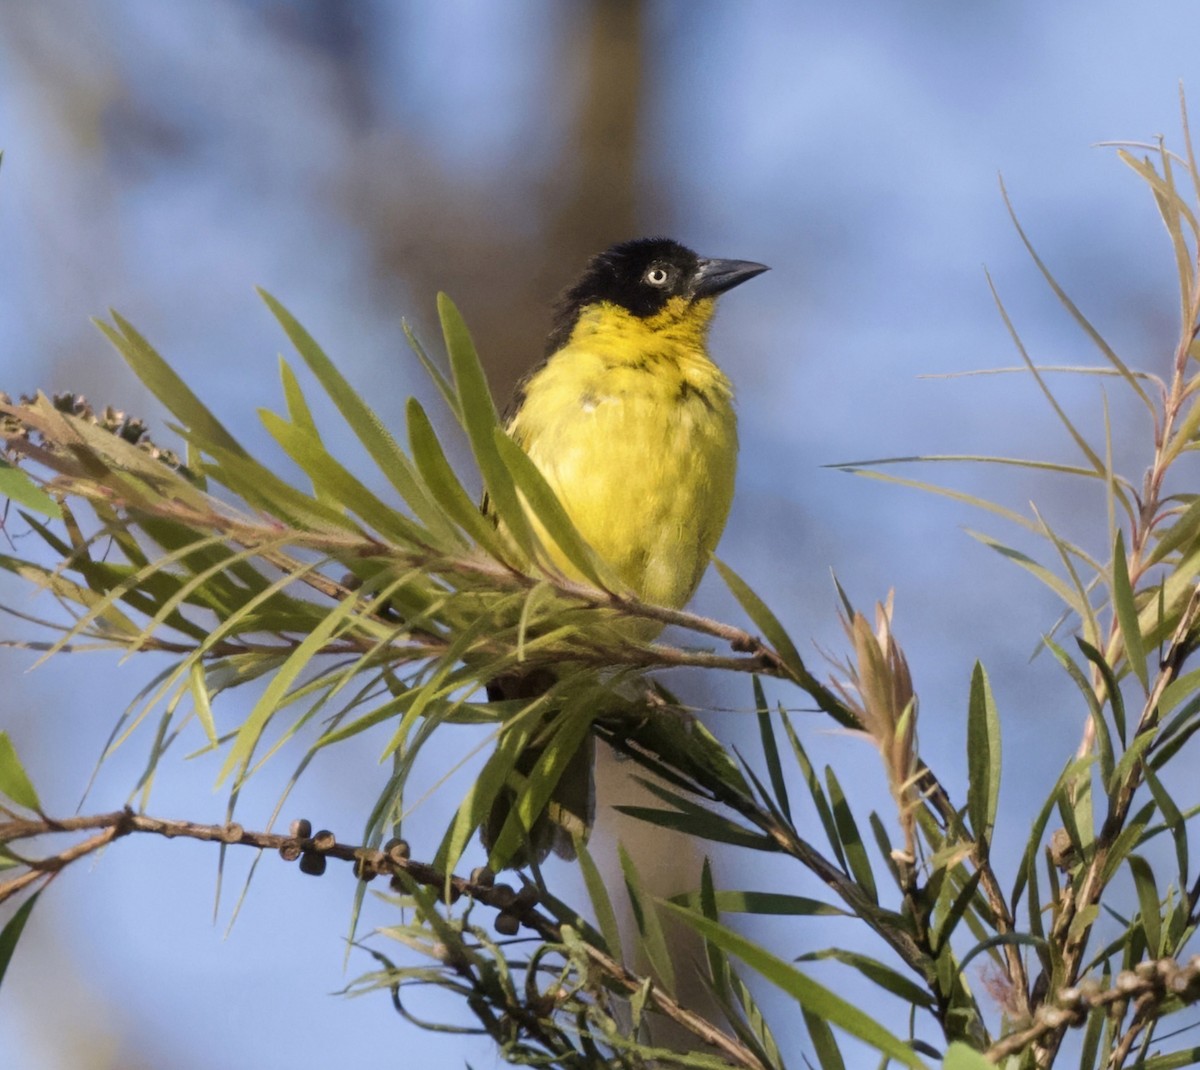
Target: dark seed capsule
x: 301, y: 828
x: 507, y: 924
x: 324, y: 840
x: 312, y: 863
x: 397, y: 850
x: 526, y: 897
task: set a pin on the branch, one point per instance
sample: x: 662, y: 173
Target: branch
x: 515, y: 908
x: 1086, y: 891
x: 1148, y: 984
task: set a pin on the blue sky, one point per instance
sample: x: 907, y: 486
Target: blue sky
x: 165, y: 159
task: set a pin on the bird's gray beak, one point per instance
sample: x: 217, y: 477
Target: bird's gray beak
x: 716, y: 276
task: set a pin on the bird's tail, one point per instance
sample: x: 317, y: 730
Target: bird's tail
x: 569, y: 813
x: 571, y: 808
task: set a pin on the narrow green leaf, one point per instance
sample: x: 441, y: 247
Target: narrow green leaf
x: 823, y: 1042
x: 14, y: 781
x: 1093, y: 458
x: 1034, y: 907
x: 11, y: 933
x: 1134, y: 753
x: 645, y: 914
x: 1148, y: 902
x: 445, y: 387
x: 637, y: 1004
x: 1107, y: 350
x: 771, y: 750
x: 570, y: 732
x: 376, y: 439
x: 1186, y: 686
x: 263, y: 489
x: 336, y: 486
x: 1193, y: 164
x: 1104, y: 745
x: 1173, y: 210
x: 606, y: 916
x: 1168, y: 747
x: 815, y: 998
x: 824, y: 813
x: 876, y: 972
x: 766, y: 796
x: 1183, y: 437
x: 778, y: 638
x: 961, y: 1057
x: 1127, y: 614
x: 1065, y: 591
x: 444, y: 485
x: 718, y: 964
x: 19, y: 487
x: 300, y: 414
x: 1001, y: 940
x: 976, y: 502
x: 1067, y: 554
x: 1090, y: 1048
x: 703, y: 826
x: 1175, y: 1060
x: 1126, y: 840
x: 273, y: 696
x: 577, y: 931
x: 1184, y: 529
x: 167, y: 386
x: 751, y: 1025
x: 1111, y: 687
x: 446, y: 677
x: 856, y: 850
x: 384, y: 712
x: 1174, y: 821
x: 1028, y: 868
x: 957, y: 909
x: 972, y: 458
x: 1079, y: 816
x: 766, y: 621
x: 480, y: 421
x: 1074, y: 804
x: 883, y: 843
x: 983, y: 757
x: 478, y: 800
x: 735, y: 902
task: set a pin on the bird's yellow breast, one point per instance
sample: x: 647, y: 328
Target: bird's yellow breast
x: 633, y: 426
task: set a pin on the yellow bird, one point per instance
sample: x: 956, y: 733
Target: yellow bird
x: 633, y: 426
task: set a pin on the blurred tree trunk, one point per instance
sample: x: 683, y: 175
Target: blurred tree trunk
x: 431, y: 230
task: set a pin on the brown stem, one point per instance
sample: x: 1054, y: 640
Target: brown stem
x: 932, y: 789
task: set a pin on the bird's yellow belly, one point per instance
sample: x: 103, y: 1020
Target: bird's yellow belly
x: 646, y: 475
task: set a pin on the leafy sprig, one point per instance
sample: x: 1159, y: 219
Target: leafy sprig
x: 360, y: 609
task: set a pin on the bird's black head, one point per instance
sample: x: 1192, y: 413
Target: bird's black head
x: 642, y: 276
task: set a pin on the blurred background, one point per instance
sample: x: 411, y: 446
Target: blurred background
x: 354, y: 159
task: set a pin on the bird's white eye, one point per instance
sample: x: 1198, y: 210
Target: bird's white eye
x: 658, y: 276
